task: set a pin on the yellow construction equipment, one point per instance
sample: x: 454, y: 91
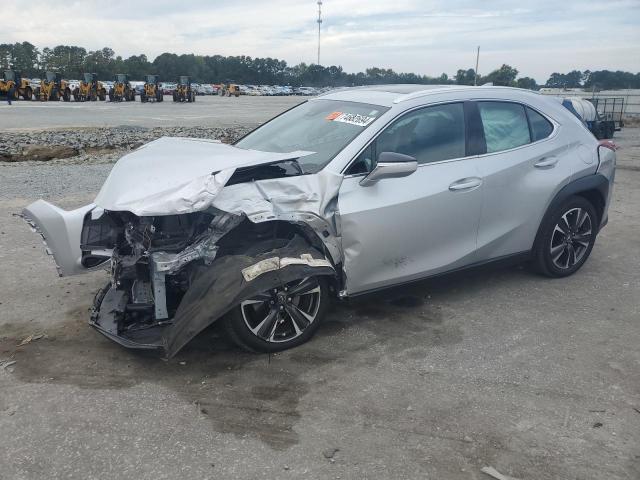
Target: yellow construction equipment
x: 229, y: 89
x: 89, y: 89
x: 122, y: 89
x: 183, y: 91
x: 14, y: 85
x: 52, y: 87
x: 151, y: 91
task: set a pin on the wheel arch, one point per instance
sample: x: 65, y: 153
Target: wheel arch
x: 594, y: 188
x: 234, y: 277
x: 285, y: 229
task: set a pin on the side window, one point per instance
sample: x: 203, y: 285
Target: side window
x: 505, y: 125
x: 365, y: 161
x: 430, y: 134
x: 540, y: 126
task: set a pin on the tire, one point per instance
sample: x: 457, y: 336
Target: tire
x: 175, y: 97
x: 565, y: 238
x: 28, y: 94
x: 253, y: 313
x: 111, y: 95
x: 66, y: 96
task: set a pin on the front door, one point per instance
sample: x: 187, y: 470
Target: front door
x: 402, y: 229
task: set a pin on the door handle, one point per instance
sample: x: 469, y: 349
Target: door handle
x: 546, y: 162
x: 465, y: 184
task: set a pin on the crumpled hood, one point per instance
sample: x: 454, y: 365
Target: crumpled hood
x: 177, y: 175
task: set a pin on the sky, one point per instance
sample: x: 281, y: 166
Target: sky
x: 422, y: 36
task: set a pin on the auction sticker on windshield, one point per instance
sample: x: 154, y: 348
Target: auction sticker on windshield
x: 351, y: 118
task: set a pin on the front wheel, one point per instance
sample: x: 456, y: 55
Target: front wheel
x: 280, y: 318
x: 566, y: 238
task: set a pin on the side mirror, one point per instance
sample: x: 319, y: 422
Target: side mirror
x: 390, y: 165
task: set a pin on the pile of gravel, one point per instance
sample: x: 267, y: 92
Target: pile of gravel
x: 89, y: 144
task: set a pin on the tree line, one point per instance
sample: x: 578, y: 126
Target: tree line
x: 72, y: 61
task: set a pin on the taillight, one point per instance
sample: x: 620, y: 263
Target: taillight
x: 608, y: 144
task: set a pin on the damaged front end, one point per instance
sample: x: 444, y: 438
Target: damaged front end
x: 184, y: 249
x: 147, y: 269
x: 173, y: 276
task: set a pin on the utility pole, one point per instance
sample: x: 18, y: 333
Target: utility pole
x: 319, y: 24
x: 475, y: 73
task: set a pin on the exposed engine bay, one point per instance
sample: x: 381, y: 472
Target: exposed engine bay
x: 148, y: 256
x: 154, y: 261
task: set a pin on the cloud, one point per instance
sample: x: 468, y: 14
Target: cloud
x: 423, y: 36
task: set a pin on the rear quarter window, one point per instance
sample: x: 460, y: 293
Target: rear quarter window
x: 541, y: 128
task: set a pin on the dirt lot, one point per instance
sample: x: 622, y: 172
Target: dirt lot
x: 538, y: 378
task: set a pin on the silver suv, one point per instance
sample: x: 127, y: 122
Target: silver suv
x: 351, y: 192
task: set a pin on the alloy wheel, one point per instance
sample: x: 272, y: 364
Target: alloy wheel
x: 571, y: 238
x: 283, y: 314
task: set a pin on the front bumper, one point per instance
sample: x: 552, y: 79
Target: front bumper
x: 60, y: 230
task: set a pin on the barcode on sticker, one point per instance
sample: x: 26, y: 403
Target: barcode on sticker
x: 354, y: 119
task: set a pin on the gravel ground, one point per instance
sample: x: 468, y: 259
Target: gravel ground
x: 538, y: 378
x: 94, y: 143
x: 85, y: 172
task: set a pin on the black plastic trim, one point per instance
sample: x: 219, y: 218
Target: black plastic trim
x: 597, y: 182
x: 476, y: 143
x: 505, y: 260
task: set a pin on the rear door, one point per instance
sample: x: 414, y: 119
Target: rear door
x: 524, y: 166
x: 401, y: 229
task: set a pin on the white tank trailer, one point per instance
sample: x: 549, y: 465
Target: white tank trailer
x: 587, y: 112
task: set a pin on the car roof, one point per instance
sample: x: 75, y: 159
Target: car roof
x: 388, y: 95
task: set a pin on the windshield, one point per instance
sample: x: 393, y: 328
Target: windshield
x: 51, y: 76
x: 184, y: 80
x: 324, y: 127
x: 88, y: 77
x: 121, y: 78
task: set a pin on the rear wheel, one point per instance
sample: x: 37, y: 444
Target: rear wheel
x: 566, y: 238
x: 66, y: 96
x: 280, y: 318
x: 28, y: 94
